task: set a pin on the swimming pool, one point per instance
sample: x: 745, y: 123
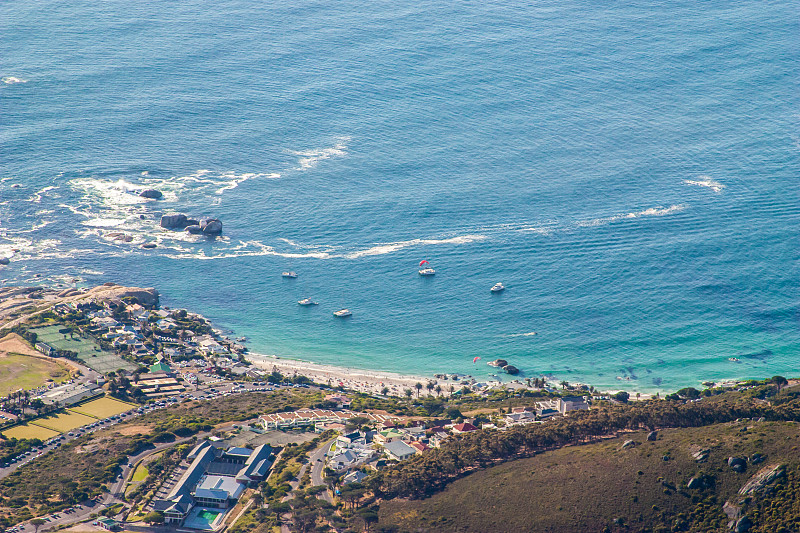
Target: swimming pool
x: 205, y: 519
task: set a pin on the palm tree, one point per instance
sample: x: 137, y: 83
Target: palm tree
x: 385, y: 391
x: 418, y: 386
x: 408, y: 393
x: 430, y: 386
x: 438, y: 390
x: 452, y: 389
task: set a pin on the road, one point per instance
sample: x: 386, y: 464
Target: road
x: 317, y: 461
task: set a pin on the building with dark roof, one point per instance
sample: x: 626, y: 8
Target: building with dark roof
x: 215, y: 478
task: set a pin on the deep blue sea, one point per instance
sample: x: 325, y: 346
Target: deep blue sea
x: 629, y: 170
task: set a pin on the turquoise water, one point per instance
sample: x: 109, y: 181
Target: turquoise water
x: 629, y: 171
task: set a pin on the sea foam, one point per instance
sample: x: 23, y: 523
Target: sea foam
x: 310, y: 158
x: 706, y: 181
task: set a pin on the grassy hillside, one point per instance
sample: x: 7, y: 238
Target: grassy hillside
x: 602, y: 485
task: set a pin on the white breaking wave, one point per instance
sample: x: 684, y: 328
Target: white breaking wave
x: 386, y: 248
x: 706, y: 181
x: 529, y: 334
x: 11, y: 80
x: 650, y: 212
x: 310, y: 158
x: 38, y: 195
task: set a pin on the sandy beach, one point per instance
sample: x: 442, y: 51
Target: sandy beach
x: 369, y: 381
x: 373, y: 381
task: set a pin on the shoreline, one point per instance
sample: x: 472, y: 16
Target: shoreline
x: 369, y: 381
x: 373, y: 381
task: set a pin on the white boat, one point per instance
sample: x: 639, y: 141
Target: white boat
x: 307, y: 301
x: 290, y: 274
x: 341, y: 313
x: 425, y: 268
x: 498, y: 287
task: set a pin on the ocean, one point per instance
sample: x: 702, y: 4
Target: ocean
x: 629, y: 170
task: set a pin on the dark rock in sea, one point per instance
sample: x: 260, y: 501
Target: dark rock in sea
x: 176, y: 221
x: 142, y: 217
x: 211, y: 226
x: 149, y: 245
x: 499, y: 363
x: 511, y: 369
x: 653, y: 435
x: 194, y: 229
x: 4, y: 260
x: 192, y: 222
x: 151, y: 193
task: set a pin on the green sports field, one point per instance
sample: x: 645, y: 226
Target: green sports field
x: 103, y: 407
x: 29, y: 431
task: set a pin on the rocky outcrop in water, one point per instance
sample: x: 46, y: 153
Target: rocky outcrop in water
x: 176, y: 221
x: 211, y: 226
x: 151, y: 193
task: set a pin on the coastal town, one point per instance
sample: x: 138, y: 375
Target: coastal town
x: 293, y: 451
x: 125, y: 358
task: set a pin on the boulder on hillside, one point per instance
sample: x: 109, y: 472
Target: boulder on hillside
x: 743, y: 525
x: 628, y: 444
x: 756, y: 458
x: 764, y: 477
x: 696, y: 483
x: 737, y: 464
x: 176, y: 221
x: 653, y: 435
x: 211, y: 226
x: 151, y: 193
x: 701, y: 455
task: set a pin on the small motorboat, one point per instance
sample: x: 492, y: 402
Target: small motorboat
x: 425, y: 268
x: 498, y: 287
x: 290, y: 274
x: 341, y: 313
x: 307, y: 301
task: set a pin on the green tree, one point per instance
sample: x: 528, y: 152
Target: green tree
x: 779, y: 382
x: 155, y: 517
